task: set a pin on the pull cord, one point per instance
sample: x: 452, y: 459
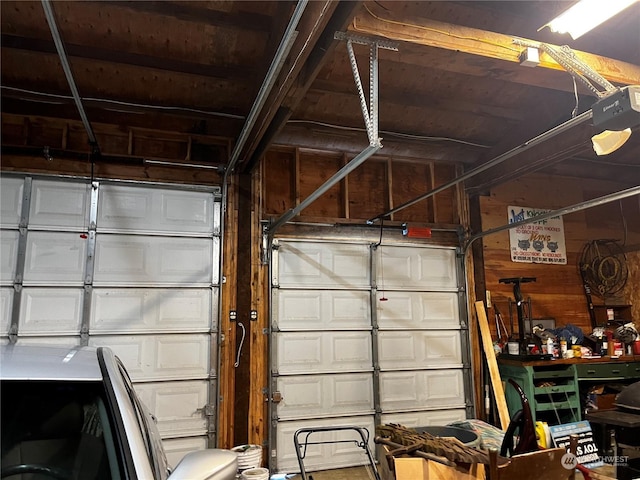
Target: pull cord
x: 240, y: 346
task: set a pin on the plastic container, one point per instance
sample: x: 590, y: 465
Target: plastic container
x: 255, y: 474
x: 467, y: 437
x: 249, y: 456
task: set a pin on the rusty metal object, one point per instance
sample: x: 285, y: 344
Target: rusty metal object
x: 410, y: 450
x: 449, y: 448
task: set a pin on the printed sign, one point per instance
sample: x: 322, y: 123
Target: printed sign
x: 536, y: 242
x: 587, y: 450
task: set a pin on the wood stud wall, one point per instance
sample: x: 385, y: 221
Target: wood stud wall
x: 379, y: 184
x: 123, y: 150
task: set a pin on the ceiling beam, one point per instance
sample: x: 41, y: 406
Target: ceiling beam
x: 190, y: 13
x: 412, y: 98
x: 127, y: 58
x: 296, y: 82
x: 473, y: 41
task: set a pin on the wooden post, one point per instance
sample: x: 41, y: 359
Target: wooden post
x: 496, y: 382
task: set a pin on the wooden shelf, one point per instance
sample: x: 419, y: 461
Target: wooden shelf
x: 620, y: 312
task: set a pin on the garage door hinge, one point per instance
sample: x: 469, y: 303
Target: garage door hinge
x: 254, y: 315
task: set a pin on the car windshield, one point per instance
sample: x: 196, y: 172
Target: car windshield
x: 56, y: 430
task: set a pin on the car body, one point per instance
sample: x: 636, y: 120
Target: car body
x: 72, y: 413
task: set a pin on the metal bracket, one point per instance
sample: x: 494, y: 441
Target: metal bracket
x: 572, y: 64
x: 370, y: 114
x: 253, y: 315
x: 362, y: 40
x: 233, y: 315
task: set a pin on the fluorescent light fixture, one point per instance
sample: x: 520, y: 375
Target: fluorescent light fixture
x: 586, y: 15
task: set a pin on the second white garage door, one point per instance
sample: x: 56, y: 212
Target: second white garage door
x: 363, y: 336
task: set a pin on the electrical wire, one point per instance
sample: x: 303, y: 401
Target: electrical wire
x: 434, y: 30
x: 624, y: 224
x: 127, y: 104
x: 599, y: 162
x: 575, y: 94
x: 379, y: 248
x: 393, y: 134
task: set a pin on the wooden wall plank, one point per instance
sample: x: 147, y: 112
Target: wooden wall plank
x: 411, y: 180
x: 258, y: 341
x: 368, y: 190
x: 315, y: 169
x: 279, y: 181
x: 558, y: 291
x: 445, y: 202
x: 226, y: 376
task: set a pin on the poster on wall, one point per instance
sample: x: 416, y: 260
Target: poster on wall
x: 536, y: 242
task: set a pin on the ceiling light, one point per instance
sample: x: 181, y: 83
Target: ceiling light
x: 609, y: 141
x: 586, y: 15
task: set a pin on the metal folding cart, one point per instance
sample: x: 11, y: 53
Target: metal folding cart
x: 361, y: 441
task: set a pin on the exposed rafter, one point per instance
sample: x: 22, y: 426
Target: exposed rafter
x: 479, y: 42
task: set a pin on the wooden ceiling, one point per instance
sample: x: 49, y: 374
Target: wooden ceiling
x: 453, y: 92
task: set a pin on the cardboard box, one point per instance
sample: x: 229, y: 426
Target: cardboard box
x: 414, y: 468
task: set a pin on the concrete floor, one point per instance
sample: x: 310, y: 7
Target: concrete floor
x: 354, y: 473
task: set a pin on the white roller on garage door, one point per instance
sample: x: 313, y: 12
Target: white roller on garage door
x: 132, y: 267
x: 325, y: 315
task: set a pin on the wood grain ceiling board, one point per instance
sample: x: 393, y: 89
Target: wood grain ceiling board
x: 213, y: 56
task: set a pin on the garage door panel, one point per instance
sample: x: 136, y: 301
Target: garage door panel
x: 63, y: 340
x: 52, y: 311
x: 55, y: 258
x: 59, y: 204
x: 319, y: 264
x: 130, y: 260
x: 313, y: 396
x: 419, y: 349
x: 10, y: 201
x: 152, y: 286
x: 140, y: 310
x: 424, y: 418
x: 177, y: 448
x: 160, y: 357
x: 154, y: 210
x: 427, y: 389
x: 321, y: 352
x: 6, y: 302
x: 417, y: 268
x: 321, y: 309
x: 328, y: 455
x: 418, y: 310
x: 178, y: 406
x: 8, y: 255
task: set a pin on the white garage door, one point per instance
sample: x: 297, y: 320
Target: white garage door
x: 128, y: 266
x: 363, y: 336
